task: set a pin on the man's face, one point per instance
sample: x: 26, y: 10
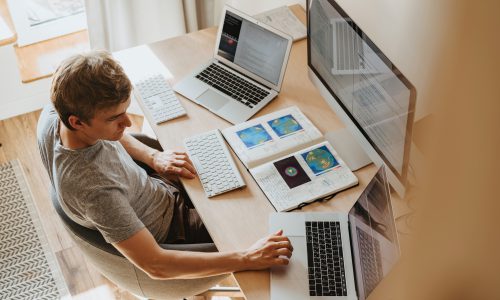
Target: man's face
x: 109, y: 124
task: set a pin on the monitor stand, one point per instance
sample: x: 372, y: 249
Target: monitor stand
x: 348, y: 148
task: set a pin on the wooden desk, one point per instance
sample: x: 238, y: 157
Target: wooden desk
x: 237, y: 219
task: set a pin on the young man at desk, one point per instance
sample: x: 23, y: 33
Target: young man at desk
x: 90, y: 162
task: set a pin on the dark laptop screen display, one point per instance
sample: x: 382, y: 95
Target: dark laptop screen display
x: 373, y: 234
x: 252, y: 47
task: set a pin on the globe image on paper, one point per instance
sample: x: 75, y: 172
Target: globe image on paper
x: 320, y: 159
x: 285, y: 125
x: 254, y: 136
x: 291, y: 171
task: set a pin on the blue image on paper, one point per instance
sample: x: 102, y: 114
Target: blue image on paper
x: 285, y: 125
x: 320, y: 160
x: 254, y: 136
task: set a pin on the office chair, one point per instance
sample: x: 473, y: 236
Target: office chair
x: 114, y: 266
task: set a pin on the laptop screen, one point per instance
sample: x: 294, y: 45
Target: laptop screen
x: 252, y: 47
x: 374, y: 240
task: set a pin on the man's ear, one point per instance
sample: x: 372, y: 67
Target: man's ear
x: 75, y: 122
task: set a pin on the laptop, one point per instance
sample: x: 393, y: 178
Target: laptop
x: 338, y: 255
x: 246, y: 71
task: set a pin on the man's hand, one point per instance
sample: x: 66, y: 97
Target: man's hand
x: 171, y: 162
x: 272, y: 250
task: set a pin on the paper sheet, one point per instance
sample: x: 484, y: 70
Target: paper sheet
x: 263, y: 139
x: 283, y: 19
x: 300, y: 182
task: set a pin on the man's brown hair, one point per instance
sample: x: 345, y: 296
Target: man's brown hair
x: 86, y: 83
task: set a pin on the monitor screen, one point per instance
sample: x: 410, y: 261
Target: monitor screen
x: 252, y: 47
x: 374, y: 240
x: 371, y: 91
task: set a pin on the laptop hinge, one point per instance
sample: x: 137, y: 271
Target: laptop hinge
x: 244, y: 75
x: 353, y: 260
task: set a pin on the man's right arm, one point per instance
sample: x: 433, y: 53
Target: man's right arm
x: 142, y: 250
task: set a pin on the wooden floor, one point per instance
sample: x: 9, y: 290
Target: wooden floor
x: 18, y: 141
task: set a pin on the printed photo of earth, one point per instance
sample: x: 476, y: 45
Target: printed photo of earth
x: 254, y: 136
x: 285, y: 125
x: 320, y: 160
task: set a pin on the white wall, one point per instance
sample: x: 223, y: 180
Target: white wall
x: 15, y: 97
x: 409, y: 32
x: 120, y: 24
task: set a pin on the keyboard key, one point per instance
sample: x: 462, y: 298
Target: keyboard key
x: 159, y: 99
x: 232, y: 85
x: 328, y: 277
x: 370, y: 260
x: 213, y: 162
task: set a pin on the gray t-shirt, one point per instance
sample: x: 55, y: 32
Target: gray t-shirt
x: 101, y: 186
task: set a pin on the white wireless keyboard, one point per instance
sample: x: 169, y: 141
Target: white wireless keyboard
x: 213, y: 162
x: 159, y: 99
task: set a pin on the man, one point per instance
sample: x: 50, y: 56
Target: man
x: 90, y: 161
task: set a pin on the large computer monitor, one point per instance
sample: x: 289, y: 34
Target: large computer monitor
x: 368, y: 93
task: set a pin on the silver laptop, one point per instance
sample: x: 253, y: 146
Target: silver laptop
x: 246, y: 71
x: 338, y: 255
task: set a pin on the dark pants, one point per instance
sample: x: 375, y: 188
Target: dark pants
x: 187, y: 226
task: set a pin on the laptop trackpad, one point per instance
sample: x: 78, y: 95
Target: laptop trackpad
x: 291, y: 282
x: 212, y: 99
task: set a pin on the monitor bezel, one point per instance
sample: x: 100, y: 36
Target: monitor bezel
x: 403, y: 177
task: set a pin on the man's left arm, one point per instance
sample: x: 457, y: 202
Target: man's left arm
x: 166, y: 162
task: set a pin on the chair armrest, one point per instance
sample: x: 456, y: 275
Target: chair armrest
x: 203, y: 247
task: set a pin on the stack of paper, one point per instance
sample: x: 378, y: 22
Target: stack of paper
x: 284, y: 20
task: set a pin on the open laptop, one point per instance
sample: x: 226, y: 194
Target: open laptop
x: 246, y: 71
x: 338, y: 255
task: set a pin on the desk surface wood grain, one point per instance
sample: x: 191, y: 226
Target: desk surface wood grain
x: 237, y: 219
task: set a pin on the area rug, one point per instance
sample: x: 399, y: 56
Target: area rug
x: 28, y: 268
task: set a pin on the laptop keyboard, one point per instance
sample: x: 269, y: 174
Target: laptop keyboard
x: 371, y: 264
x: 325, y: 259
x: 232, y: 85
